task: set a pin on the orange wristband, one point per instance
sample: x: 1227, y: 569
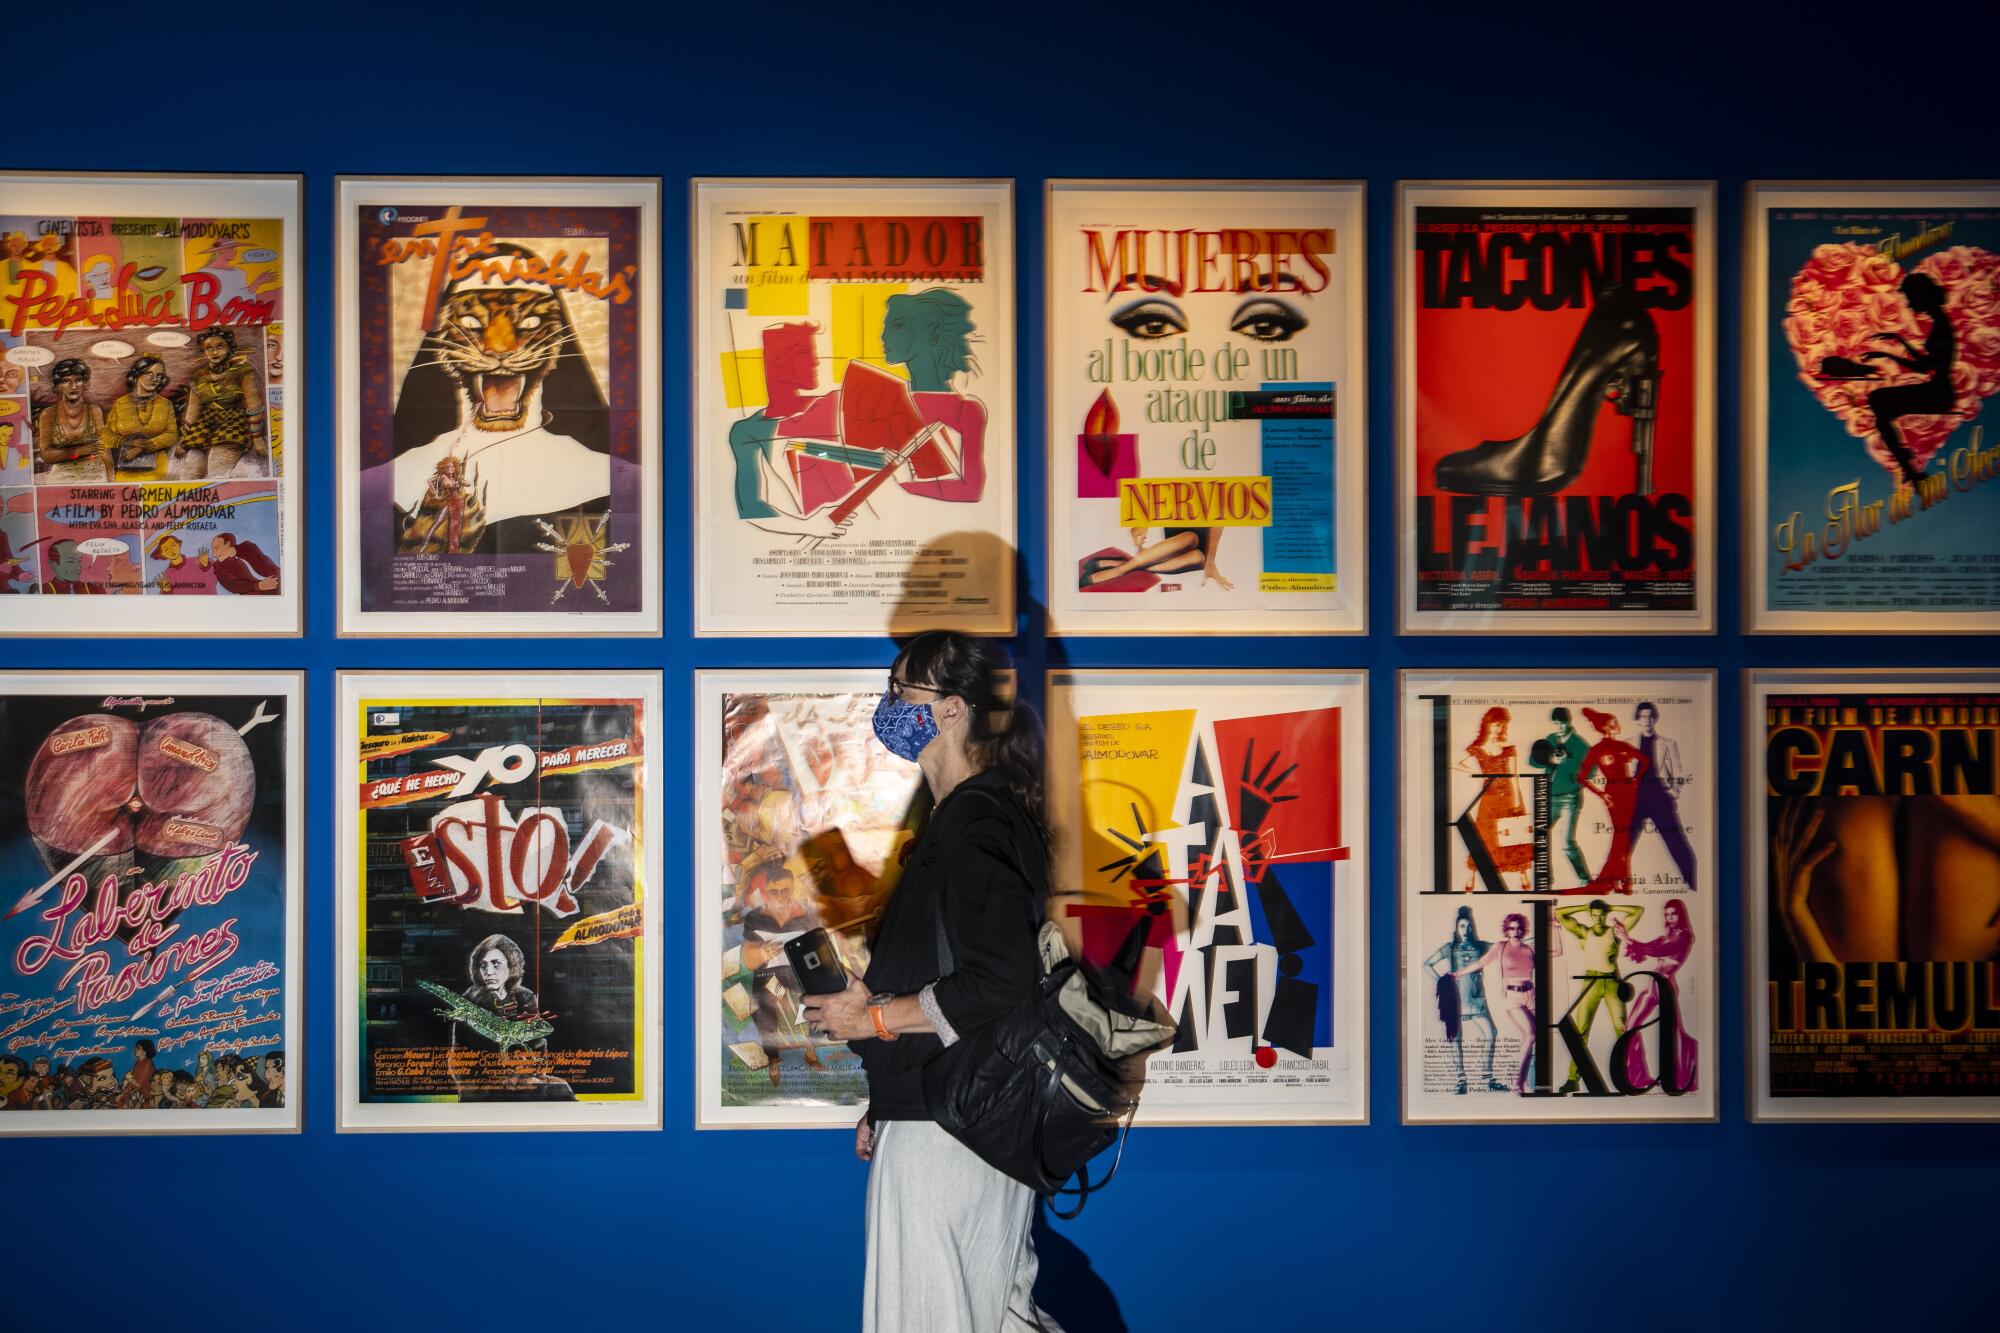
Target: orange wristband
x: 881, y: 1027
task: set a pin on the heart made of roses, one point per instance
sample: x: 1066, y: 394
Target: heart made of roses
x: 1847, y: 292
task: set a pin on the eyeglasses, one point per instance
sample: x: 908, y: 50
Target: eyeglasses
x: 897, y: 686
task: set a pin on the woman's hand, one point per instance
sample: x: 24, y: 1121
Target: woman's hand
x: 842, y: 1017
x: 864, y: 1139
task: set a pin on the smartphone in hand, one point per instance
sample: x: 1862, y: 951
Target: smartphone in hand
x: 816, y: 962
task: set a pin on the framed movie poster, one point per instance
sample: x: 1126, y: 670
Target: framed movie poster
x: 1555, y: 407
x: 1207, y: 381
x: 497, y: 362
x: 1223, y: 815
x: 1557, y: 895
x: 853, y: 406
x: 801, y: 821
x: 151, y: 901
x: 497, y: 889
x: 1872, y: 885
x: 148, y: 434
x: 1872, y: 478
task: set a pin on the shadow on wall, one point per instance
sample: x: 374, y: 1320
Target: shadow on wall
x: 1068, y: 1288
x: 952, y: 590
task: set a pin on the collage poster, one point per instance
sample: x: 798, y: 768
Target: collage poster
x: 143, y: 430
x: 1875, y: 883
x: 499, y: 375
x: 500, y: 910
x: 1206, y: 407
x: 805, y: 818
x: 1558, y: 898
x: 1556, y: 407
x: 854, y: 423
x: 150, y: 903
x: 1224, y: 814
x: 1876, y: 356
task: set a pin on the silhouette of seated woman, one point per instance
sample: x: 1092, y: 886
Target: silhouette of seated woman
x: 1935, y: 396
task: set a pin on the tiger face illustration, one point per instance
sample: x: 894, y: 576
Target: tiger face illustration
x: 499, y: 345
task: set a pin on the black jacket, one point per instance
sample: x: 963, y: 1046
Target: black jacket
x: 981, y: 860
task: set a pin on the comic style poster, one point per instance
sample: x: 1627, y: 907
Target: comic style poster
x: 150, y: 903
x: 1555, y: 407
x: 1206, y: 405
x: 854, y: 418
x: 1873, y: 871
x: 804, y: 820
x: 1224, y: 814
x: 499, y: 406
x: 499, y: 921
x: 1875, y: 349
x: 143, y: 436
x: 1558, y: 895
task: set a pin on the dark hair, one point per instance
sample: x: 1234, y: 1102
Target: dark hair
x: 517, y: 962
x: 1559, y: 715
x: 1005, y: 730
x: 1647, y: 707
x: 1510, y: 919
x: 20, y: 1065
x: 216, y: 331
x: 1471, y: 927
x: 69, y: 368
x: 276, y: 1059
x: 1598, y: 905
x: 140, y: 367
x: 144, y: 1047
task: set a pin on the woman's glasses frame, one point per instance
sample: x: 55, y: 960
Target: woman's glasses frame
x: 897, y: 686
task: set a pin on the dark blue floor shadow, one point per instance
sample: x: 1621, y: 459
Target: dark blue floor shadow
x: 1068, y: 1288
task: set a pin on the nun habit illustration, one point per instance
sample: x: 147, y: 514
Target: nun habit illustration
x: 500, y: 423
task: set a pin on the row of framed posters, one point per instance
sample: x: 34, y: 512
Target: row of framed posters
x: 499, y: 890
x: 853, y: 429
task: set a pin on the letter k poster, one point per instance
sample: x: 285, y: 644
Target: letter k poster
x: 1558, y: 890
x: 499, y: 871
x: 1555, y: 408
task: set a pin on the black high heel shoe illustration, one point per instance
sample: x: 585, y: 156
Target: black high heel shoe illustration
x: 1617, y: 356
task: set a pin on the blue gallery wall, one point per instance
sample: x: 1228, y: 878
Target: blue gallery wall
x: 1375, y: 1227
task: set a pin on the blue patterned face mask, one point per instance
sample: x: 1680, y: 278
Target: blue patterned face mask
x: 904, y: 728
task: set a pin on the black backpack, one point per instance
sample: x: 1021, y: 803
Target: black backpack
x: 1040, y: 1091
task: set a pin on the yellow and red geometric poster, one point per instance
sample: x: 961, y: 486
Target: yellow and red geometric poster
x: 1223, y: 815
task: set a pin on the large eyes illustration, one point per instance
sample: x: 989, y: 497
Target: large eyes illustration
x: 1151, y: 318
x: 1267, y: 320
x: 532, y: 322
x: 468, y: 321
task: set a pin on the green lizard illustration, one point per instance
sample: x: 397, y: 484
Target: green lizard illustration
x: 503, y: 1032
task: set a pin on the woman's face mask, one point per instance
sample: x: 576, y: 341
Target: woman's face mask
x: 904, y: 728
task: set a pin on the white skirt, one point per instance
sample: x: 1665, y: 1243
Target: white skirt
x: 949, y: 1249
